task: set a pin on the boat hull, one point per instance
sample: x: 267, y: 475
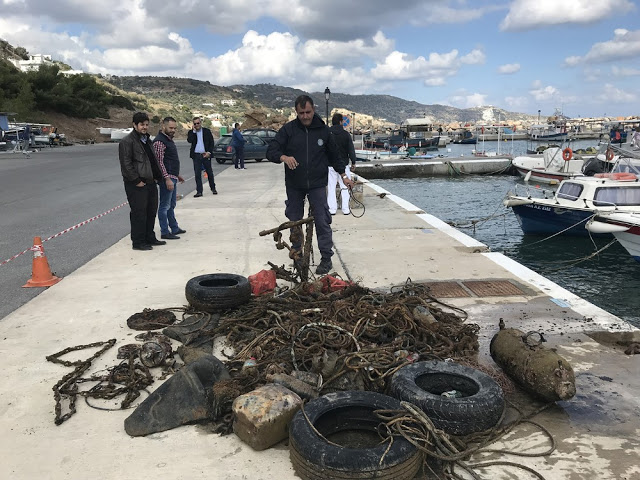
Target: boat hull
x: 536, y: 219
x: 545, y: 177
x: 630, y: 240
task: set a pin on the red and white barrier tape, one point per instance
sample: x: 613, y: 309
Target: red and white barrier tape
x: 66, y: 231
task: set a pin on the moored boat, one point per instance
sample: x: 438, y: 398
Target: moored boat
x: 624, y: 226
x: 575, y: 202
x: 554, y: 165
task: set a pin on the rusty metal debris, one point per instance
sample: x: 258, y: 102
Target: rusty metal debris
x: 127, y: 378
x: 150, y: 319
x: 301, y: 258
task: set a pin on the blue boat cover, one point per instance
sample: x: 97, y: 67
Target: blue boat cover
x: 4, y: 123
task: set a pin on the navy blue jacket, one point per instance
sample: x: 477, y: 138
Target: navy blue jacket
x: 312, y: 147
x: 237, y: 140
x: 170, y: 160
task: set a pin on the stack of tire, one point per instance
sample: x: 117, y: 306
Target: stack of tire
x: 459, y: 400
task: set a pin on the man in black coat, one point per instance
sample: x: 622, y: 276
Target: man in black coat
x: 201, y: 140
x: 306, y: 148
x: 140, y: 173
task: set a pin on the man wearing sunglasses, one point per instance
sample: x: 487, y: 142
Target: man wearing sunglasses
x: 201, y: 141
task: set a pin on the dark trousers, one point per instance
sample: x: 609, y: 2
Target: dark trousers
x: 322, y: 218
x: 198, y: 162
x: 144, y: 206
x: 239, y: 157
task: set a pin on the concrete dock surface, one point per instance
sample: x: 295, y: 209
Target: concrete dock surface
x: 597, y: 432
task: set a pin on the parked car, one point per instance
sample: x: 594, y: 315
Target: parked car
x: 254, y: 149
x: 266, y: 133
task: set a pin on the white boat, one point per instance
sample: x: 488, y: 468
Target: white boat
x: 119, y: 133
x: 368, y: 155
x: 579, y: 199
x: 552, y: 167
x: 104, y: 130
x: 624, y: 226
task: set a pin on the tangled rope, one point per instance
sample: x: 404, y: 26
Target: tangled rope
x: 448, y: 452
x: 353, y: 339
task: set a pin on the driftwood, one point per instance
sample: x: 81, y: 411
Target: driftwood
x: 535, y: 368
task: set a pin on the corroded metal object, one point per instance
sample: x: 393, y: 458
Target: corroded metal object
x: 537, y: 369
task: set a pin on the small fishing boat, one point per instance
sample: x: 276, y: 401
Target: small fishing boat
x: 554, y: 165
x: 368, y: 155
x: 579, y: 199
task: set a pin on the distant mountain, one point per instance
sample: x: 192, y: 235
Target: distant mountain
x: 393, y: 109
x: 194, y: 94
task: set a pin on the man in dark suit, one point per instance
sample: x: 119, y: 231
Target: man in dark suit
x: 201, y: 141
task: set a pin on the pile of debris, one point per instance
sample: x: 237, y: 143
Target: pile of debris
x: 259, y: 119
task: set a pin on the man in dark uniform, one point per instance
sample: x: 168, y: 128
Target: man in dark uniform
x: 306, y: 148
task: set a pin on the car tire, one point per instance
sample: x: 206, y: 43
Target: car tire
x: 217, y: 291
x: 478, y: 409
x: 316, y: 452
x: 221, y: 160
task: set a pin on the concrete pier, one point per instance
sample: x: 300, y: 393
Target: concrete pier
x: 597, y: 432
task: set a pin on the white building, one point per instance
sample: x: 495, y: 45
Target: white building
x: 34, y: 62
x: 229, y: 102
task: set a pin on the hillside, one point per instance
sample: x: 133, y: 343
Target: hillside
x: 179, y: 96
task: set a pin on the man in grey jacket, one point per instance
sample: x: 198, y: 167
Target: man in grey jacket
x: 140, y: 172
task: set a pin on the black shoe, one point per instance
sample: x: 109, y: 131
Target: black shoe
x: 324, y: 267
x: 179, y: 231
x: 197, y: 195
x: 142, y: 246
x: 160, y: 242
x: 170, y: 236
x: 214, y: 191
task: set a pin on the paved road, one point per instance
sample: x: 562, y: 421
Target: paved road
x: 54, y: 190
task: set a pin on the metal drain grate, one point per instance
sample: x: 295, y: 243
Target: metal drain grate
x: 492, y: 288
x: 446, y: 290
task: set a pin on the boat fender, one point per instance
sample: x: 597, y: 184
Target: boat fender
x: 567, y: 154
x: 609, y: 154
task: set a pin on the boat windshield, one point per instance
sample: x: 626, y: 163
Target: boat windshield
x: 616, y: 196
x: 570, y: 191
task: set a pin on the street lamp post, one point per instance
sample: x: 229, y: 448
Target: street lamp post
x: 538, y: 116
x: 327, y: 94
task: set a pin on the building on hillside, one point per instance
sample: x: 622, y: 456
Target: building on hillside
x: 33, y: 63
x: 228, y: 101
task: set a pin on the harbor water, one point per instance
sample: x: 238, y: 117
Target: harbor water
x: 609, y: 279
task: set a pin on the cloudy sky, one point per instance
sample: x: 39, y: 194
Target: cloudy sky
x: 580, y: 56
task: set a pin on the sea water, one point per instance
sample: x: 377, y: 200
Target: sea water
x: 473, y: 204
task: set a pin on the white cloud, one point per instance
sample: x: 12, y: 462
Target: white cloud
x: 468, y: 100
x: 433, y: 70
x: 613, y: 95
x: 509, y: 68
x: 543, y: 93
x: 624, y: 45
x: 532, y: 14
x: 516, y: 103
x: 624, y: 71
x: 346, y: 53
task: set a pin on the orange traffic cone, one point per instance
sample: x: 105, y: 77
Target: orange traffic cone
x: 41, y: 275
